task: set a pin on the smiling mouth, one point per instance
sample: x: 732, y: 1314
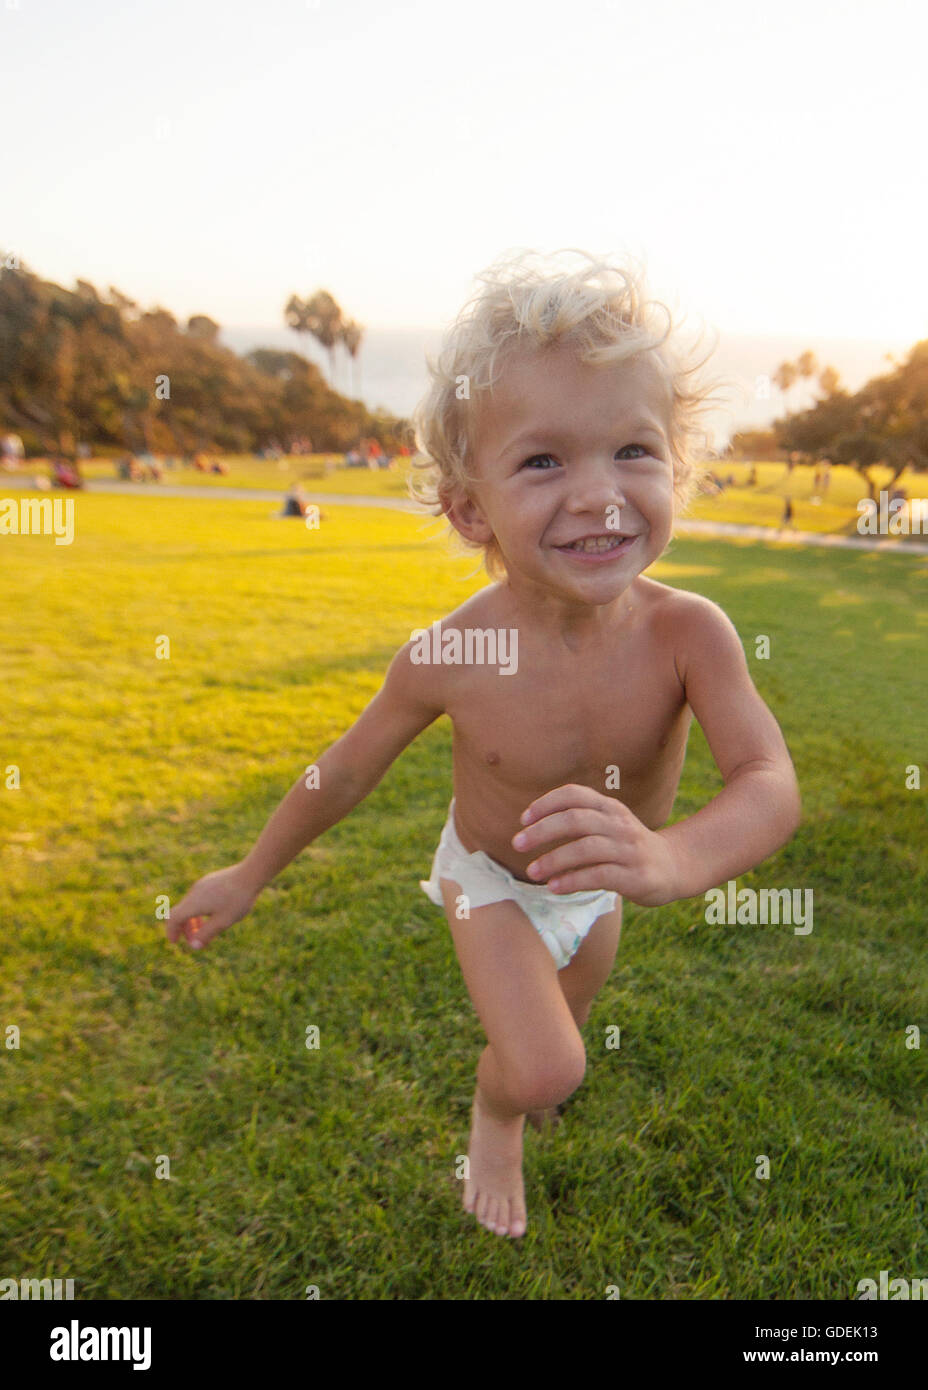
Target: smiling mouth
x: 595, y: 545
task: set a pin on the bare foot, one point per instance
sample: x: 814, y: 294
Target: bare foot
x: 545, y: 1121
x: 494, y: 1191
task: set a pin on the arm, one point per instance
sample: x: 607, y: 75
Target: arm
x: 407, y: 702
x: 759, y: 807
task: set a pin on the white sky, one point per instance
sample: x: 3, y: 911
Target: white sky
x: 215, y: 156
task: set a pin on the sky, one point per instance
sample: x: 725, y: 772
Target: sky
x: 766, y: 162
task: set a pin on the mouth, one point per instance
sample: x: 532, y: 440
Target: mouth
x: 599, y: 546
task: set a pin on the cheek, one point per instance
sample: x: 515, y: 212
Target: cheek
x: 653, y: 489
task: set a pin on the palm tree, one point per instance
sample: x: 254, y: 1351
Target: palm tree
x: 828, y: 380
x: 324, y: 321
x: 295, y: 314
x: 785, y: 375
x: 351, y: 335
x: 807, y: 365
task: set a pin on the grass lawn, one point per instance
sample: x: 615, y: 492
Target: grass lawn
x: 334, y: 1167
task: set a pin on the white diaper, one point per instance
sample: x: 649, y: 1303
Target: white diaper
x: 562, y: 920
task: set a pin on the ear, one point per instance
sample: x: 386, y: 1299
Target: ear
x: 467, y: 517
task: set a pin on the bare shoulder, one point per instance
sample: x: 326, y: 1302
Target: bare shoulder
x: 485, y: 608
x: 684, y: 610
x: 697, y: 628
x: 417, y: 675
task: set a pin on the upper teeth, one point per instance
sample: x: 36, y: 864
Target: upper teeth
x: 597, y: 543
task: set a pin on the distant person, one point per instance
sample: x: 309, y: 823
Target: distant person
x: 752, y: 478
x: 788, y: 513
x: 295, y: 503
x: 66, y: 474
x: 11, y: 452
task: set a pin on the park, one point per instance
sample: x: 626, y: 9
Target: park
x: 333, y: 968
x: 279, y: 637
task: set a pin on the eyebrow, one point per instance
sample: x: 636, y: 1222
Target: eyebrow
x: 640, y: 426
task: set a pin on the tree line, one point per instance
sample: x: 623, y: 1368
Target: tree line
x: 78, y: 367
x: 884, y: 423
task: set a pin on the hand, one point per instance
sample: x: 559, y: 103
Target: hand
x: 607, y: 847
x: 222, y: 897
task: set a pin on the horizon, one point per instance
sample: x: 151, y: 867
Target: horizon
x: 403, y: 375
x: 396, y: 385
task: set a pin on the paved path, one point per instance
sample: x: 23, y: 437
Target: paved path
x: 720, y: 529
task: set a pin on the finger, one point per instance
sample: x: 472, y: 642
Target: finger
x: 593, y: 876
x: 180, y: 915
x: 207, y: 928
x: 561, y: 799
x: 191, y: 928
x: 592, y: 849
x: 571, y: 824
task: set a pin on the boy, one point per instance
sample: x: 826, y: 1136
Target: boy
x: 563, y: 468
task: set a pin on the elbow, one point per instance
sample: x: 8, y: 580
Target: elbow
x: 792, y: 807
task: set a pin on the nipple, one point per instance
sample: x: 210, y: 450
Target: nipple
x: 492, y: 758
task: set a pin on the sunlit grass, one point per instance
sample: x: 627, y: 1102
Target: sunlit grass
x: 335, y: 1167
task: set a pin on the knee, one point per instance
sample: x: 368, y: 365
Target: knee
x: 540, y: 1084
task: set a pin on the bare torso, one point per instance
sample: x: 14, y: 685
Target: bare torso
x: 565, y: 717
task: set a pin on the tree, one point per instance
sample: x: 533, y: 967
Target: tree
x: 828, y: 380
x: 807, y: 366
x: 320, y: 316
x: 199, y: 326
x: 78, y: 367
x: 351, y: 335
x: 884, y: 423
x: 784, y: 376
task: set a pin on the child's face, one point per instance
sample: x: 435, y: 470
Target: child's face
x: 564, y: 452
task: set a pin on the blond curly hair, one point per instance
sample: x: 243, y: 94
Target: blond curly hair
x: 526, y: 302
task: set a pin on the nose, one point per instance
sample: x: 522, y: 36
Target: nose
x: 595, y: 484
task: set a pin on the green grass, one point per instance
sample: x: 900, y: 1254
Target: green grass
x: 334, y: 1166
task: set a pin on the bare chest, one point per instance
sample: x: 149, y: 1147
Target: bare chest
x: 550, y: 722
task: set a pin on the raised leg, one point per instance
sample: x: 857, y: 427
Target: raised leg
x: 580, y: 982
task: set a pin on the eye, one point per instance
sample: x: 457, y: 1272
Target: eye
x: 535, y: 458
x: 644, y: 449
